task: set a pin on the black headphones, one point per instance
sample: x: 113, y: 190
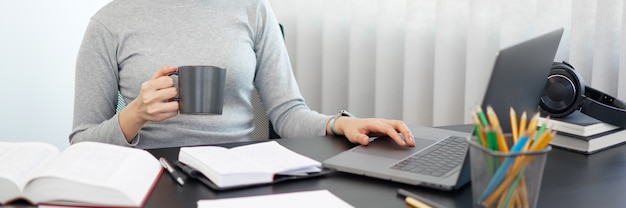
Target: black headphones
x: 566, y: 92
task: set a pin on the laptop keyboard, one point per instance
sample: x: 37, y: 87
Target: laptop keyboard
x: 438, y: 159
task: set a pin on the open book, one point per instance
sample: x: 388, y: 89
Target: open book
x: 246, y: 165
x: 84, y: 174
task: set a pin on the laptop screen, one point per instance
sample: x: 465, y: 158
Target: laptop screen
x: 519, y: 76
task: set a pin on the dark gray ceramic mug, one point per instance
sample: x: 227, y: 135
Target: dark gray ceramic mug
x: 200, y: 89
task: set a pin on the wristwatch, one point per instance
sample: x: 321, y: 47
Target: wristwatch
x: 340, y: 114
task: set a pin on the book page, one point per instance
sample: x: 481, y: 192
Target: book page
x: 219, y: 159
x: 125, y: 174
x: 313, y: 199
x: 222, y: 167
x: 249, y: 164
x: 18, y: 160
x: 277, y: 158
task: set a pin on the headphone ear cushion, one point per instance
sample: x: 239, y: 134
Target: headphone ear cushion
x: 564, y: 90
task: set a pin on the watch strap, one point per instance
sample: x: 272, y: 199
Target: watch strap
x: 334, y: 118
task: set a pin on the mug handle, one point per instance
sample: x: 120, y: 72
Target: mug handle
x: 175, y: 98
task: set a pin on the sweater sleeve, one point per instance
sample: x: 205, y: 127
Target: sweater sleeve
x: 276, y: 83
x: 95, y: 96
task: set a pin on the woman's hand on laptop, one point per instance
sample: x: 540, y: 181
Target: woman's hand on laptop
x: 357, y: 130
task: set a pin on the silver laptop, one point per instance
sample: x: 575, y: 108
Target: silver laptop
x: 440, y: 157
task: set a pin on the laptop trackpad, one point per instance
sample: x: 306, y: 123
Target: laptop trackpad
x: 386, y: 147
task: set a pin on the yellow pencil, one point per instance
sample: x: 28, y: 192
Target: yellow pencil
x: 532, y: 125
x: 532, y: 129
x: 493, y: 118
x: 481, y: 130
x: 523, y: 191
x: 514, y: 129
x: 543, y: 141
x: 501, y: 201
x: 516, y: 197
x: 495, y: 124
x: 475, y: 117
x: 522, y: 124
x: 502, y: 145
x: 412, y: 202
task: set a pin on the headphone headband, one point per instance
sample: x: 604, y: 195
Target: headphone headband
x: 604, y: 107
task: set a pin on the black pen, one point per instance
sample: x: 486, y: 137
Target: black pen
x: 175, y: 174
x: 189, y: 171
x: 417, y: 201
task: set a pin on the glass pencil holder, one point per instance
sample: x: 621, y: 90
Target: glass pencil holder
x: 505, y: 179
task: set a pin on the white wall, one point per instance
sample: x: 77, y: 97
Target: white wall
x: 39, y: 40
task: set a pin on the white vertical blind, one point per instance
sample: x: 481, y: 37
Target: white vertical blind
x: 582, y: 32
x: 428, y: 61
x: 335, y: 50
x: 418, y: 61
x: 554, y: 14
x: 607, y: 46
x: 362, y: 55
x: 483, y: 43
x: 389, y: 58
x: 449, y: 71
x: 309, y: 21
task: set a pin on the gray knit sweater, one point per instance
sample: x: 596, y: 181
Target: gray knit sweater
x: 128, y: 40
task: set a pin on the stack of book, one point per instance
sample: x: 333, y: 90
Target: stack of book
x: 581, y: 133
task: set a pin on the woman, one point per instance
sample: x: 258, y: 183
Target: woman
x: 131, y: 45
